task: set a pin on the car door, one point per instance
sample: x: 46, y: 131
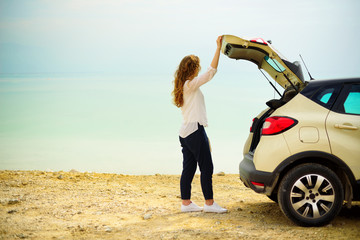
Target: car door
x: 343, y: 127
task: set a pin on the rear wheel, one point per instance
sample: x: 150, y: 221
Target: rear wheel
x: 311, y: 195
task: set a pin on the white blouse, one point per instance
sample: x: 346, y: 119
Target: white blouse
x: 193, y: 109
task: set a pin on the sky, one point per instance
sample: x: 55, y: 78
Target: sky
x: 138, y: 45
x: 151, y: 37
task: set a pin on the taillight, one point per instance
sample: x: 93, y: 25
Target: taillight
x: 276, y: 125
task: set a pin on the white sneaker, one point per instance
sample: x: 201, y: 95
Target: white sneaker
x: 192, y: 207
x: 215, y: 208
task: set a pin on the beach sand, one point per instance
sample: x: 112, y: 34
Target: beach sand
x: 74, y: 205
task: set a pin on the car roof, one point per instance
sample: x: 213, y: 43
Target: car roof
x: 323, y: 82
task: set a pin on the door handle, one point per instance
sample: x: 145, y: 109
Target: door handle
x: 343, y: 126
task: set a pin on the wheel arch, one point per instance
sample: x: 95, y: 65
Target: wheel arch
x: 331, y: 161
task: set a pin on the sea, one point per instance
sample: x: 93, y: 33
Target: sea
x: 118, y: 123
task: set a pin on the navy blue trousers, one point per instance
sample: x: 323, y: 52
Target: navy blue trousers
x: 196, y: 151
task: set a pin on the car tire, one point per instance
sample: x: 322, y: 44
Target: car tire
x: 311, y: 195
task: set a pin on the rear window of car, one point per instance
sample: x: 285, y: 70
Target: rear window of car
x: 274, y: 64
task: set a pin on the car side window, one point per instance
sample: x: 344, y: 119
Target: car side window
x: 325, y: 96
x: 352, y: 102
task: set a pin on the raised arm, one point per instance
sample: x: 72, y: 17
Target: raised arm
x: 209, y: 74
x: 215, y: 61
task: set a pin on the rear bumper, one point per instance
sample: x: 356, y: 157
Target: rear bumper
x: 259, y: 181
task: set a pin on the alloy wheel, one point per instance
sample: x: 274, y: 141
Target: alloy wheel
x: 312, y: 196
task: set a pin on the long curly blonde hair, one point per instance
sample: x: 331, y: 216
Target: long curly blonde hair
x: 187, y: 70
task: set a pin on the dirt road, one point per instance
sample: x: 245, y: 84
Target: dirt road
x: 73, y: 205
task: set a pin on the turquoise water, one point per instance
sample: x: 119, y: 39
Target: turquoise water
x: 119, y: 124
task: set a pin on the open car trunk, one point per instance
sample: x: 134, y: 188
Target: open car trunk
x: 260, y: 52
x: 288, y: 75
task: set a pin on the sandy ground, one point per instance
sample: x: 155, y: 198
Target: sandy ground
x: 73, y: 205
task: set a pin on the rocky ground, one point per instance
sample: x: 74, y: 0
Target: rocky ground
x: 73, y: 205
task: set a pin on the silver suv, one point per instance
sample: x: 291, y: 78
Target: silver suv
x: 303, y: 151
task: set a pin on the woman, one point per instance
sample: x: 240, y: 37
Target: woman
x: 193, y: 138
